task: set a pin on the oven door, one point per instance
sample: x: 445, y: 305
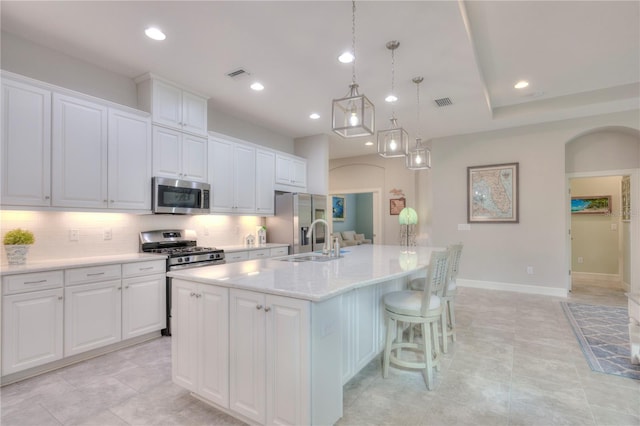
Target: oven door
x: 175, y: 196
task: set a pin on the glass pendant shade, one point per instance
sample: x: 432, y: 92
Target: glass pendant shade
x: 353, y: 115
x: 419, y: 158
x: 393, y: 142
x: 408, y: 216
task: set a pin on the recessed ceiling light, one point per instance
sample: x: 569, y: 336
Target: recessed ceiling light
x: 521, y: 84
x: 346, y: 58
x: 314, y: 116
x: 391, y: 98
x: 368, y: 143
x: 155, y: 33
x: 257, y: 86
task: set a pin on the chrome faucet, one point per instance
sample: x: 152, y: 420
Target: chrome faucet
x: 326, y: 250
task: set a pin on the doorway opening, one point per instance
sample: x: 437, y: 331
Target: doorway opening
x: 599, y: 237
x: 361, y: 213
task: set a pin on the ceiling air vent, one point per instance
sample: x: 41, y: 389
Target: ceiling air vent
x: 443, y: 102
x: 237, y: 73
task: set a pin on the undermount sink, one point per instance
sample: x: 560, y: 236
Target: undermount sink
x: 309, y: 258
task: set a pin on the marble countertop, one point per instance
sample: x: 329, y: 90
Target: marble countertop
x: 76, y: 262
x: 241, y: 247
x: 315, y: 281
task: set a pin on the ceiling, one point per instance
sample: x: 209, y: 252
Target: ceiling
x: 581, y: 57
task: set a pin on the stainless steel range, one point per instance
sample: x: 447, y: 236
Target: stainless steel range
x: 182, y: 252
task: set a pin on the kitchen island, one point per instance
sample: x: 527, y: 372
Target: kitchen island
x: 274, y: 340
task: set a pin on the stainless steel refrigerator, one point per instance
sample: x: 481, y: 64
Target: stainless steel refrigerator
x: 294, y: 214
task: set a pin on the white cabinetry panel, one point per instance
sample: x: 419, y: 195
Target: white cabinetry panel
x: 79, y: 153
x: 32, y: 329
x: 26, y: 145
x: 178, y: 155
x: 143, y: 305
x: 129, y: 161
x: 265, y: 182
x: 92, y: 316
x: 233, y: 176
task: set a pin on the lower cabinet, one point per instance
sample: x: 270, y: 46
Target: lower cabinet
x: 31, y: 329
x: 269, y: 358
x: 143, y: 305
x: 200, y: 339
x: 92, y: 316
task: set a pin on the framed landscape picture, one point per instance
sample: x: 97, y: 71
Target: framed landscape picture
x: 600, y: 204
x: 492, y: 193
x: 339, y: 208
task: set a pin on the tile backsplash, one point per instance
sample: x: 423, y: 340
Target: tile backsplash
x: 52, y: 231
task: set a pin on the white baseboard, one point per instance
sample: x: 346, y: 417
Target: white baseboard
x: 518, y: 288
x: 593, y: 276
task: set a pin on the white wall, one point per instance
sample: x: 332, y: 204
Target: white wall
x: 501, y: 253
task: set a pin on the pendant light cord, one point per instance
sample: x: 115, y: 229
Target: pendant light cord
x: 353, y: 40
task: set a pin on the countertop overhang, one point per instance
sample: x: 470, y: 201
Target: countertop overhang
x: 315, y: 281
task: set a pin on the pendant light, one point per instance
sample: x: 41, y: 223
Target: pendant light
x: 393, y: 142
x: 354, y: 114
x: 418, y: 158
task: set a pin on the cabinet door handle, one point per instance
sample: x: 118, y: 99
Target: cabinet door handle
x: 46, y: 197
x: 258, y: 307
x: 192, y: 294
x: 267, y: 309
x: 119, y: 288
x: 126, y: 287
x: 59, y: 297
x: 96, y: 274
x: 35, y: 282
x: 146, y: 269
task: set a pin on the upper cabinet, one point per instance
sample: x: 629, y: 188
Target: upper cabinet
x: 179, y: 155
x: 291, y: 173
x: 26, y: 144
x: 172, y: 106
x: 265, y: 182
x: 62, y: 149
x: 233, y: 177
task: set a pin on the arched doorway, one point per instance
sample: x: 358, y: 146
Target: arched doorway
x: 600, y: 246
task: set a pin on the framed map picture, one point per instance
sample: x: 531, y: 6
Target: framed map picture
x: 492, y: 193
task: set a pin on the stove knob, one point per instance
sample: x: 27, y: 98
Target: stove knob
x: 179, y: 260
x: 212, y: 256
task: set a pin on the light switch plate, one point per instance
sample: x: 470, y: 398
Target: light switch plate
x: 464, y: 227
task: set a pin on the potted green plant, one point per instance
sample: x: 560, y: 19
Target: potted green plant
x: 16, y: 244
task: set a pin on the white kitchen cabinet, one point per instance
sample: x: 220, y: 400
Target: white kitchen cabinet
x: 279, y: 251
x: 179, y: 155
x: 79, y: 153
x: 26, y: 145
x: 269, y: 342
x: 172, y: 106
x: 32, y: 320
x: 143, y: 305
x: 259, y: 254
x: 200, y: 340
x: 129, y: 161
x: 236, y: 256
x: 233, y: 177
x: 265, y: 182
x: 92, y: 309
x: 291, y: 171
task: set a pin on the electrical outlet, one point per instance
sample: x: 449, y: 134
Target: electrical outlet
x: 464, y: 227
x: 530, y: 270
x: 74, y: 235
x: 580, y: 259
x: 107, y: 234
x: 206, y: 232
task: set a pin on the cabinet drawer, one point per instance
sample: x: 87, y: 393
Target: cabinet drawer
x: 92, y: 274
x: 22, y: 283
x: 259, y: 254
x: 236, y: 256
x: 143, y: 268
x: 279, y: 251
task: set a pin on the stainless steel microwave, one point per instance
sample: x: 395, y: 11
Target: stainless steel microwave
x: 176, y: 196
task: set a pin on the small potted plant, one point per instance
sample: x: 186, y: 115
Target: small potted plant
x: 17, y: 243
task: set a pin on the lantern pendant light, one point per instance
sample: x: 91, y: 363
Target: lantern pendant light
x: 354, y: 114
x: 418, y: 158
x: 393, y: 142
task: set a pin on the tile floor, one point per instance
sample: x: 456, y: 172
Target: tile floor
x: 516, y: 362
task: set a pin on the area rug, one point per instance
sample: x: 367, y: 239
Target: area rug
x: 603, y: 334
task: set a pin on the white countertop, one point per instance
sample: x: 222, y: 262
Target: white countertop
x: 48, y: 265
x: 315, y: 281
x: 240, y: 247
